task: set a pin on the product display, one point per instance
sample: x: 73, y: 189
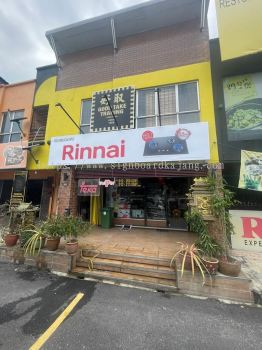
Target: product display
x: 154, y: 202
x: 138, y: 213
x: 123, y: 213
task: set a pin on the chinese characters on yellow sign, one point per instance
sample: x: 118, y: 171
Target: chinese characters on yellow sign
x: 113, y: 109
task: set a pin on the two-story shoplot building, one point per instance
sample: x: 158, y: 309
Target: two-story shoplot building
x: 16, y: 102
x: 130, y: 117
x: 22, y: 131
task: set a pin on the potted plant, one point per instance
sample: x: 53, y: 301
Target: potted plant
x: 34, y: 243
x: 20, y: 216
x: 221, y: 201
x: 211, y: 250
x: 10, y: 233
x: 229, y: 266
x: 25, y: 233
x: 10, y: 238
x: 73, y: 226
x: 205, y: 243
x: 54, y: 230
x: 191, y: 259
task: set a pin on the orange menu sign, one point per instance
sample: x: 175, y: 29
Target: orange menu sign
x: 12, y: 155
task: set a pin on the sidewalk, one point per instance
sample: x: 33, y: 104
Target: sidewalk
x: 252, y: 268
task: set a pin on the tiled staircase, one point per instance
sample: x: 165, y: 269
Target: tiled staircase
x: 155, y: 273
x: 144, y: 271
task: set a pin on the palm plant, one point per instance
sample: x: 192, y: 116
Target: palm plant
x: 34, y: 244
x: 191, y: 258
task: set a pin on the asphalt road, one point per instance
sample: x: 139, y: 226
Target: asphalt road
x: 112, y: 317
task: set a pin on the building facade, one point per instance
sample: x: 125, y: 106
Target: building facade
x: 130, y: 117
x: 237, y: 85
x: 236, y: 61
x: 16, y: 102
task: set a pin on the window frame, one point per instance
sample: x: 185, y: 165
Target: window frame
x: 81, y: 115
x: 177, y: 113
x: 39, y: 132
x: 11, y: 115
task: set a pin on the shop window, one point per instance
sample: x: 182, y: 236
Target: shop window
x: 86, y: 116
x: 38, y: 126
x: 167, y: 105
x: 10, y: 131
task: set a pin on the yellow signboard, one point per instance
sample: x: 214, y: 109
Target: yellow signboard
x: 239, y: 26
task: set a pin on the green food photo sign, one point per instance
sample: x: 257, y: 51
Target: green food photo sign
x: 243, y: 104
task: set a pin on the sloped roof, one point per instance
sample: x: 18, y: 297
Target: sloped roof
x: 147, y: 16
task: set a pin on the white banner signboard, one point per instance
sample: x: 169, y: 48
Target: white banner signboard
x: 248, y: 230
x: 165, y: 143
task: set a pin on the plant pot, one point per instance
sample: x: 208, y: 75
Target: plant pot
x: 25, y: 239
x: 37, y: 246
x: 211, y: 264
x: 52, y: 243
x: 230, y: 267
x: 187, y: 264
x: 71, y: 247
x: 10, y: 239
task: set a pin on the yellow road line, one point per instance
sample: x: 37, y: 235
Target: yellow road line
x: 45, y: 336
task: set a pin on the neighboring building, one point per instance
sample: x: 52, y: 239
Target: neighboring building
x: 3, y: 81
x: 236, y: 59
x: 15, y: 118
x: 150, y: 64
x: 22, y: 131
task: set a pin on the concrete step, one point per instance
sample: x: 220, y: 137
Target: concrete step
x: 155, y: 273
x: 136, y: 258
x: 237, y: 289
x: 159, y: 284
x: 132, y: 268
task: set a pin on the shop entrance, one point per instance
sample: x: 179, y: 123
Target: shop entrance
x: 89, y: 208
x: 5, y: 190
x: 150, y: 202
x: 84, y: 205
x: 34, y: 191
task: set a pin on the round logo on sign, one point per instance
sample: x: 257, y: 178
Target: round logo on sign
x: 147, y: 135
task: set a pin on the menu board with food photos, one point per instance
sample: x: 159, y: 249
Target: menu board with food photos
x: 243, y: 104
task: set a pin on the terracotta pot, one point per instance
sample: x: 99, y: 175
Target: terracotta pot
x: 211, y: 264
x: 71, y: 247
x: 10, y: 239
x: 52, y: 243
x: 188, y: 263
x: 230, y: 267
